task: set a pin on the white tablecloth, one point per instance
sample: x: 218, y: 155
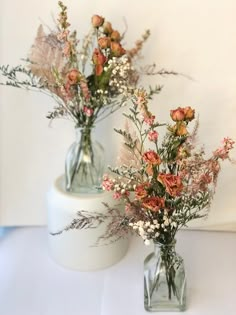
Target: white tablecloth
x: 32, y: 284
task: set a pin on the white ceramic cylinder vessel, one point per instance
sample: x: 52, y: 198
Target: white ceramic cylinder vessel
x: 75, y: 248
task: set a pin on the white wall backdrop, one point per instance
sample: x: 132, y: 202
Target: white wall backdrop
x: 195, y: 37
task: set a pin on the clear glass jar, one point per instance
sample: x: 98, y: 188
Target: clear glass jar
x: 84, y: 163
x: 164, y: 280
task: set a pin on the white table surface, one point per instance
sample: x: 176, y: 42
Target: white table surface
x: 32, y: 284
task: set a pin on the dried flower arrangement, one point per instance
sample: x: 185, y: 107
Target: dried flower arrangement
x: 88, y: 78
x: 164, y: 187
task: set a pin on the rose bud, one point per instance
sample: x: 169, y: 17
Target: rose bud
x: 115, y: 36
x: 97, y: 20
x: 104, y: 42
x: 107, y: 28
x: 189, y: 113
x: 117, y: 49
x: 177, y: 114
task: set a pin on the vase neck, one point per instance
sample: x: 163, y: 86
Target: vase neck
x: 83, y: 134
x: 164, y: 248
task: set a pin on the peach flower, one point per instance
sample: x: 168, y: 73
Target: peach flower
x: 104, y: 42
x: 189, y: 113
x: 172, y: 183
x: 97, y: 20
x: 107, y: 28
x: 117, y: 49
x: 115, y: 36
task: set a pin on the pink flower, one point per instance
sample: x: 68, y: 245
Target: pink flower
x: 107, y: 183
x: 206, y: 178
x: 88, y: 111
x: 153, y: 135
x: 228, y: 143
x: 172, y: 183
x: 149, y: 120
x: 117, y: 195
x: 223, y: 152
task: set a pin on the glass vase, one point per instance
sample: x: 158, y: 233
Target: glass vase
x: 84, y: 163
x: 164, y: 280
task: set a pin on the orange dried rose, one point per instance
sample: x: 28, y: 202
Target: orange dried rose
x: 141, y: 191
x: 151, y: 157
x: 177, y: 114
x: 153, y: 203
x: 172, y: 183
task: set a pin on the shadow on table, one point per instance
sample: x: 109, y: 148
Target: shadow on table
x: 4, y: 231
